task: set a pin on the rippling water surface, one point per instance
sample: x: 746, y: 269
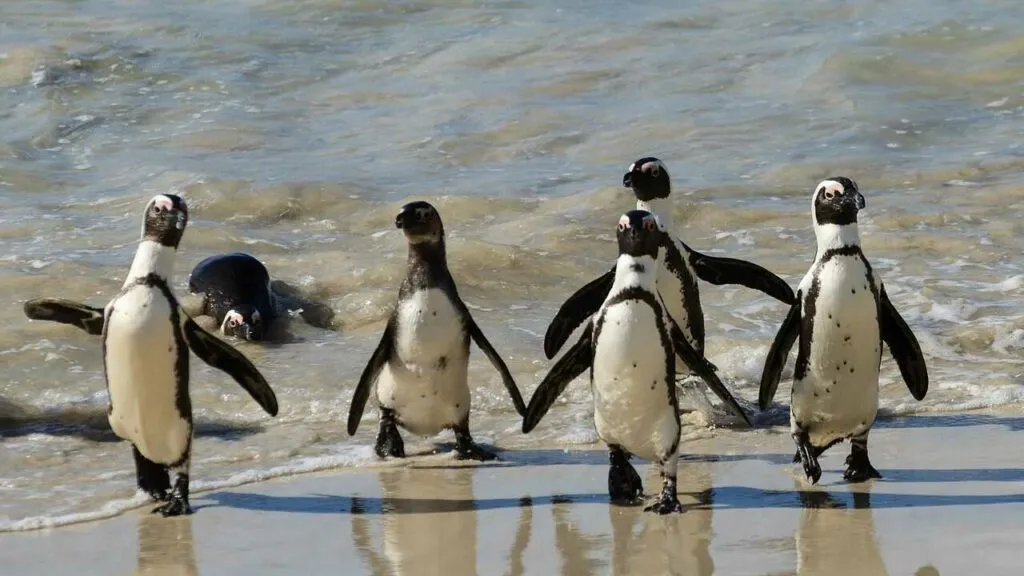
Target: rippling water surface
x: 295, y: 130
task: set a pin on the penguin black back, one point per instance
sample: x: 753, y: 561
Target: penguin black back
x: 236, y: 292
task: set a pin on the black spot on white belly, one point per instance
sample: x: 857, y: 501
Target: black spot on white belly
x: 634, y: 364
x: 457, y: 404
x: 442, y: 362
x: 846, y: 338
x: 434, y: 313
x: 851, y: 369
x: 853, y: 290
x: 837, y: 325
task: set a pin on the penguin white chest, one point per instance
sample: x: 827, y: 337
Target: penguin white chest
x: 630, y: 382
x: 424, y: 382
x: 838, y: 395
x: 141, y: 357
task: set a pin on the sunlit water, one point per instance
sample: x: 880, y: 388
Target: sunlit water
x: 295, y: 130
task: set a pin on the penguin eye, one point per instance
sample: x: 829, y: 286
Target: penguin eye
x: 648, y: 224
x: 157, y: 209
x: 622, y: 227
x: 829, y: 194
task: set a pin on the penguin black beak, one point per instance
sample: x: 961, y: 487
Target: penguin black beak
x: 627, y: 180
x: 859, y: 200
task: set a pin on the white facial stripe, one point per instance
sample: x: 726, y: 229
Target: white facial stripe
x: 652, y: 165
x: 631, y: 167
x: 830, y: 186
x: 162, y: 202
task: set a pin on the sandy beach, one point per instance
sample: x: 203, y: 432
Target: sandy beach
x: 951, y: 503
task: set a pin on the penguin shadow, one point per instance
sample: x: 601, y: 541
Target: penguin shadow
x: 90, y: 423
x: 166, y: 546
x: 750, y: 498
x: 563, y: 457
x: 1012, y: 423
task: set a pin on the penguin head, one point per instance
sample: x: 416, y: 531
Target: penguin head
x: 243, y: 321
x: 648, y: 178
x: 420, y: 222
x: 837, y: 201
x: 165, y: 219
x: 640, y: 234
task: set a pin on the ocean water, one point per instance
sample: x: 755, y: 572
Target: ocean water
x: 295, y: 131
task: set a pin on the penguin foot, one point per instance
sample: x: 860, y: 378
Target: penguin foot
x: 176, y: 506
x: 389, y: 441
x: 859, y: 468
x: 624, y: 484
x: 667, y: 503
x: 466, y: 449
x: 472, y: 451
x: 808, y: 457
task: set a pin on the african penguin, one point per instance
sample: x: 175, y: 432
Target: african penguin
x: 146, y: 339
x: 841, y: 317
x: 420, y: 365
x: 631, y: 346
x: 677, y: 275
x: 236, y: 292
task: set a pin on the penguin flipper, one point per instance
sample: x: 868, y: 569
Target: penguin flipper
x: 720, y: 271
x: 580, y: 306
x: 369, y: 376
x: 572, y: 364
x: 701, y: 367
x: 904, y: 347
x: 224, y: 357
x: 499, y: 364
x: 63, y: 311
x: 777, y: 354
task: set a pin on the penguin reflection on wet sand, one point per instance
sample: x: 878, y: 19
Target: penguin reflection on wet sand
x: 630, y: 348
x: 841, y: 317
x: 677, y: 275
x: 146, y: 343
x: 836, y: 535
x: 236, y: 292
x: 421, y: 364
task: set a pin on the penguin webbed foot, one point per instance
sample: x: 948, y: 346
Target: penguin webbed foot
x: 808, y: 457
x: 177, y: 499
x: 858, y: 466
x: 176, y: 506
x: 466, y: 449
x: 667, y: 503
x: 472, y: 451
x: 624, y: 484
x: 389, y: 443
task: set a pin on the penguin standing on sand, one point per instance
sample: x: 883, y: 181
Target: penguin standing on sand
x: 146, y: 340
x: 841, y: 317
x: 677, y: 275
x: 630, y: 347
x: 236, y: 292
x: 420, y: 365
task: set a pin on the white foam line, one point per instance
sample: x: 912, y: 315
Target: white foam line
x: 362, y: 456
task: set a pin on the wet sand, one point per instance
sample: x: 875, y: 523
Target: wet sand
x: 951, y: 502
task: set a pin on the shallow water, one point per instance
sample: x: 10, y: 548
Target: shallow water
x: 295, y: 131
